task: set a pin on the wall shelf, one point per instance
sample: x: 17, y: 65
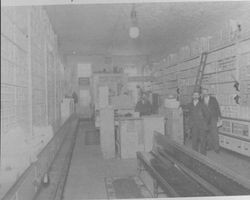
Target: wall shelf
x: 14, y: 43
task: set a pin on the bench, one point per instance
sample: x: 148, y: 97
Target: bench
x: 177, y: 171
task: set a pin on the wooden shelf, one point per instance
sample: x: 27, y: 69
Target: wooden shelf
x: 168, y: 74
x: 229, y: 44
x: 15, y: 85
x: 12, y: 62
x: 13, y: 42
x: 187, y: 77
x: 218, y: 83
x: 237, y: 119
x: 235, y: 136
x: 173, y: 87
x: 188, y: 59
x: 211, y: 51
x: 172, y: 80
x: 219, y: 72
x: 140, y: 78
x: 188, y: 68
x: 226, y: 58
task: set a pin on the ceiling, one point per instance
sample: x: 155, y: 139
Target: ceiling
x: 102, y: 29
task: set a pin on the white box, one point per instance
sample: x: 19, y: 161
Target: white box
x: 131, y: 137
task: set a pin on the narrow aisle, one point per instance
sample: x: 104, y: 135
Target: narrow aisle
x: 57, y: 171
x: 88, y: 168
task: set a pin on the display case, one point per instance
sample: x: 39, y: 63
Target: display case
x: 151, y: 124
x: 235, y: 135
x: 129, y: 137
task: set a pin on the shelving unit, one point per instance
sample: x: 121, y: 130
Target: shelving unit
x: 14, y: 69
x: 24, y: 33
x: 38, y: 67
x: 235, y: 135
x: 228, y: 62
x: 51, y: 88
x: 129, y: 137
x: 113, y: 81
x: 221, y: 71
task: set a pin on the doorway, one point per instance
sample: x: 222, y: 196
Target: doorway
x: 84, y: 108
x: 84, y: 72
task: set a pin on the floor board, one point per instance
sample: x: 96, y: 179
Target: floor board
x: 88, y: 167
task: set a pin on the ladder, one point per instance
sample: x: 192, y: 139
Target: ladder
x: 200, y: 71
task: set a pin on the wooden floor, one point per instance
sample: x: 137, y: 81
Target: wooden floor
x: 88, y: 168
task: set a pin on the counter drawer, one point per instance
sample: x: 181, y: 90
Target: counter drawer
x: 233, y: 144
x: 222, y: 140
x: 246, y: 148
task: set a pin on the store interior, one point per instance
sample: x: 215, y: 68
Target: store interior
x: 75, y: 77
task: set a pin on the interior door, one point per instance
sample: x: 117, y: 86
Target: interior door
x: 85, y: 103
x: 84, y: 73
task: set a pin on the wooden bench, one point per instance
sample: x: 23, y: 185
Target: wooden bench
x: 178, y: 171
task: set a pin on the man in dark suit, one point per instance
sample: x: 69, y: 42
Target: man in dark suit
x: 198, y: 123
x: 213, y: 109
x: 143, y: 106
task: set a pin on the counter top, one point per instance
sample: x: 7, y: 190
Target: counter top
x: 153, y: 116
x: 128, y: 118
x: 137, y: 118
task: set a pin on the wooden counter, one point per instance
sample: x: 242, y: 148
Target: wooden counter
x: 136, y: 134
x: 151, y: 124
x: 129, y: 137
x: 107, y: 132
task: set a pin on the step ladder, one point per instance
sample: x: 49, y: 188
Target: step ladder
x: 200, y: 71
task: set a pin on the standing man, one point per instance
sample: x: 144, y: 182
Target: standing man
x: 198, y: 123
x: 213, y: 109
x: 143, y: 106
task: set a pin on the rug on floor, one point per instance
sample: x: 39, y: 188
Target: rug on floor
x: 126, y: 188
x: 92, y: 137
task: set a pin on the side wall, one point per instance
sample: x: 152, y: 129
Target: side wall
x: 32, y: 80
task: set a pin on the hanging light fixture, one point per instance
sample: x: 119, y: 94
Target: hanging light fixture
x: 134, y: 31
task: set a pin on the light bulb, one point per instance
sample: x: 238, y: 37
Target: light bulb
x: 134, y: 31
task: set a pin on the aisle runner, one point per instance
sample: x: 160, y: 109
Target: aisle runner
x: 92, y: 137
x: 125, y: 188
